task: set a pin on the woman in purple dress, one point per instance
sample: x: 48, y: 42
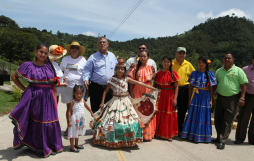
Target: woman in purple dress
x: 35, y: 116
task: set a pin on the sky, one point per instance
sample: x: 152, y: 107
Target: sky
x: 143, y: 18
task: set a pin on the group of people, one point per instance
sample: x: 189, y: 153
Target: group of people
x: 130, y: 102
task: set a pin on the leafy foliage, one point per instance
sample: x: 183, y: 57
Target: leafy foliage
x: 213, y: 39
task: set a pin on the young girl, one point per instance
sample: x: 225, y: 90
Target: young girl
x: 35, y: 116
x: 76, y: 121
x: 166, y: 117
x: 197, y: 125
x: 118, y: 124
x: 143, y: 73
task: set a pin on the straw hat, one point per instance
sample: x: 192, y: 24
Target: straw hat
x: 74, y: 43
x: 56, y: 52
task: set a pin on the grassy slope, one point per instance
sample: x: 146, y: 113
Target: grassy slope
x: 6, y: 104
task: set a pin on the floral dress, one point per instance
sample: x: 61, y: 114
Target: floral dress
x: 78, y: 120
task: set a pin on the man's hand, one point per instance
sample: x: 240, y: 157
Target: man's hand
x: 86, y: 84
x: 241, y: 103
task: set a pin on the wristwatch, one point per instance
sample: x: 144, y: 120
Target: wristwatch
x: 241, y: 98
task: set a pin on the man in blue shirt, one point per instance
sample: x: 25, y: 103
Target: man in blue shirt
x: 99, y: 69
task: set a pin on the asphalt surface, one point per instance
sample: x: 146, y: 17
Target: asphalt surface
x: 158, y: 149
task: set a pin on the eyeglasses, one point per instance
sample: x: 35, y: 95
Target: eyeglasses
x: 142, y: 48
x: 102, y: 42
x: 75, y: 47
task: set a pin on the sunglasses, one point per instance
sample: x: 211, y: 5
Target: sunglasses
x: 75, y: 47
x: 102, y: 42
x: 142, y: 48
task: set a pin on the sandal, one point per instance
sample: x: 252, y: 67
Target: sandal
x: 74, y: 150
x: 79, y: 147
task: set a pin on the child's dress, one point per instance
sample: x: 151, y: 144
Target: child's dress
x: 166, y: 117
x: 117, y: 125
x: 35, y: 116
x: 197, y: 125
x: 144, y: 75
x: 78, y: 120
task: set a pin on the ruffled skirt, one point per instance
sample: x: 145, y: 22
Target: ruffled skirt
x: 36, y: 121
x: 117, y: 124
x: 197, y: 125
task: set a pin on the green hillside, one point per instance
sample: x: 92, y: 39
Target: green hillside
x: 213, y: 38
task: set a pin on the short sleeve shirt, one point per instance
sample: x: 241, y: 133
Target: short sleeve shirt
x: 184, y: 70
x: 228, y: 82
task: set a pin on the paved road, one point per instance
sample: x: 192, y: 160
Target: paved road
x: 179, y: 149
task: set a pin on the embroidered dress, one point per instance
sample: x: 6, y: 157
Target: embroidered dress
x: 117, y: 125
x: 166, y: 117
x: 144, y: 75
x: 35, y: 116
x: 78, y: 120
x: 197, y: 125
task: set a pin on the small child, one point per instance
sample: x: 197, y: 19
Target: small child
x: 76, y: 121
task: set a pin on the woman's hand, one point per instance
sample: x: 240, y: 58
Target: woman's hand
x: 92, y: 114
x: 64, y: 82
x: 69, y: 124
x: 174, y: 102
x: 211, y: 104
x: 101, y: 105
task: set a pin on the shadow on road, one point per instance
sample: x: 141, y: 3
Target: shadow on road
x: 11, y: 154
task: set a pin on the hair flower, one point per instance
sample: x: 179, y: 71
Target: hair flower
x: 172, y: 64
x: 58, y: 51
x: 137, y: 58
x: 209, y: 62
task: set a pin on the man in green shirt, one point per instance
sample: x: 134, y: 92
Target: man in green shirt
x: 230, y: 81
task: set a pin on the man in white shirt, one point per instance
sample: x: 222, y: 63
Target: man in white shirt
x: 131, y: 61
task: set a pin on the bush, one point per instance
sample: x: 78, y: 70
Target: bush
x: 16, y: 93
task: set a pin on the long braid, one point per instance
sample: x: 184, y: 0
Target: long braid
x: 56, y: 81
x: 172, y: 76
x: 207, y: 76
x: 138, y: 66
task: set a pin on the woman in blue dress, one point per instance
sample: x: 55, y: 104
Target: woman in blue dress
x: 197, y: 125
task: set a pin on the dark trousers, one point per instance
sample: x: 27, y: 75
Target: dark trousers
x: 182, y: 106
x: 96, y: 91
x: 226, y: 108
x: 243, y: 120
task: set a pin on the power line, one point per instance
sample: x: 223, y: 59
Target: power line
x: 122, y: 18
x: 126, y: 17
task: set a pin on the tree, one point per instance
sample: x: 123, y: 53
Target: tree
x: 7, y: 22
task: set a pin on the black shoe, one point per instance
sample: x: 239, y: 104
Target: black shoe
x: 238, y: 142
x: 79, y: 147
x: 215, y: 140
x: 221, y: 146
x: 74, y: 150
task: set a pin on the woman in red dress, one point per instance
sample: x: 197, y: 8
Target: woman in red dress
x: 143, y: 73
x: 167, y: 80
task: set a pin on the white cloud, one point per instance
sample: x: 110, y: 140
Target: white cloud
x: 89, y: 33
x: 237, y: 12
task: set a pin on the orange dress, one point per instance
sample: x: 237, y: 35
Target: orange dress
x: 144, y: 75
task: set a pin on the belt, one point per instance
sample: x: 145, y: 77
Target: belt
x: 195, y: 90
x: 228, y: 96
x: 186, y: 86
x: 103, y: 86
x: 165, y: 88
x: 40, y: 85
x: 121, y: 95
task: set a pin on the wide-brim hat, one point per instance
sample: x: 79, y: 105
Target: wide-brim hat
x: 56, y: 52
x: 74, y: 43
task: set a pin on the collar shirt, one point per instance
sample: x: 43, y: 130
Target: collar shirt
x: 100, y: 68
x: 132, y: 60
x: 228, y: 82
x: 184, y: 71
x: 249, y: 71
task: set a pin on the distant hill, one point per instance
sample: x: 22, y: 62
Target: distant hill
x: 213, y: 39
